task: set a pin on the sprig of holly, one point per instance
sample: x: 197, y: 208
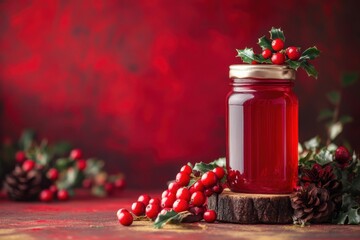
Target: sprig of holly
x: 273, y: 52
x: 66, y: 168
x: 184, y: 200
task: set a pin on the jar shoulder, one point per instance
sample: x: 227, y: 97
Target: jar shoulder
x: 276, y: 96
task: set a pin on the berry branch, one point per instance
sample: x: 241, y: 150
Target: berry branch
x: 184, y: 200
x: 273, y: 52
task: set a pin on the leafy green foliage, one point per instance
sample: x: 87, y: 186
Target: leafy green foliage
x: 56, y: 156
x: 345, y: 119
x: 205, y: 167
x: 334, y: 97
x: 248, y: 56
x: 277, y: 33
x: 310, y: 53
x: 170, y: 217
x: 349, y: 176
x: 309, y: 68
x: 325, y: 114
x: 264, y: 43
x: 293, y: 64
x: 349, y: 79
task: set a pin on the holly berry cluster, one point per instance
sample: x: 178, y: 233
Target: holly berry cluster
x: 56, y: 176
x: 184, y: 200
x: 274, y: 52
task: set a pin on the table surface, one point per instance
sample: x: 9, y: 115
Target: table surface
x: 86, y: 217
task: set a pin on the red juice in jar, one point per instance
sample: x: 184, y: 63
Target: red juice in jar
x: 262, y: 129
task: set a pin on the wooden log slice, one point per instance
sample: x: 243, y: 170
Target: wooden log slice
x: 251, y: 208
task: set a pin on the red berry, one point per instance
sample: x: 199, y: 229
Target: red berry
x: 52, y: 174
x: 165, y: 193
x: 219, y: 172
x: 209, y: 216
x: 138, y: 208
x: 155, y: 201
x: 152, y: 210
x: 28, y: 165
x: 81, y: 164
x: 63, y: 195
x: 192, y: 190
x: 173, y: 187
x: 121, y: 210
x: 197, y: 199
x: 120, y: 183
x: 20, y: 156
x: 182, y: 179
x: 186, y: 169
x: 109, y: 187
x: 183, y: 193
x: 293, y: 53
x: 208, y: 192
x: 266, y: 53
x: 180, y: 205
x: 278, y: 58
x: 198, y: 186
x: 53, y: 189
x: 144, y: 198
x: 76, y: 154
x: 217, y: 189
x: 125, y: 218
x: 254, y: 62
x: 46, y: 195
x: 197, y: 210
x: 168, y: 201
x: 87, y: 183
x: 342, y: 155
x: 277, y: 44
x: 209, y: 179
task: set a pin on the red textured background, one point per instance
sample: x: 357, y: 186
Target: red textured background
x: 142, y: 84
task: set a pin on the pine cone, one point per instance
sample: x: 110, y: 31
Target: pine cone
x: 312, y: 204
x: 323, y: 177
x: 25, y: 186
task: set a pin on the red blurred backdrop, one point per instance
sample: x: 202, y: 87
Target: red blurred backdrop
x: 142, y: 84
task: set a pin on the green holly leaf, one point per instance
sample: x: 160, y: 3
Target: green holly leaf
x: 334, y: 97
x: 293, y: 64
x: 325, y: 114
x: 61, y: 148
x: 63, y: 163
x: 323, y: 157
x: 310, y: 69
x: 93, y: 166
x: 170, y: 216
x: 205, y: 167
x: 277, y: 33
x: 98, y: 191
x: 309, y: 54
x: 264, y: 43
x: 247, y: 55
x: 345, y: 119
x: 27, y: 138
x: 349, y: 79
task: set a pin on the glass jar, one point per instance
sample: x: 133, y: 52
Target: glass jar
x: 262, y: 129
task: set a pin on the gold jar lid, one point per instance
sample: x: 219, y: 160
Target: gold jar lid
x: 261, y: 71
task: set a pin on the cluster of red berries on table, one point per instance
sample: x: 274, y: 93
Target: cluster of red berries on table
x: 278, y: 54
x: 52, y: 174
x: 188, y: 193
